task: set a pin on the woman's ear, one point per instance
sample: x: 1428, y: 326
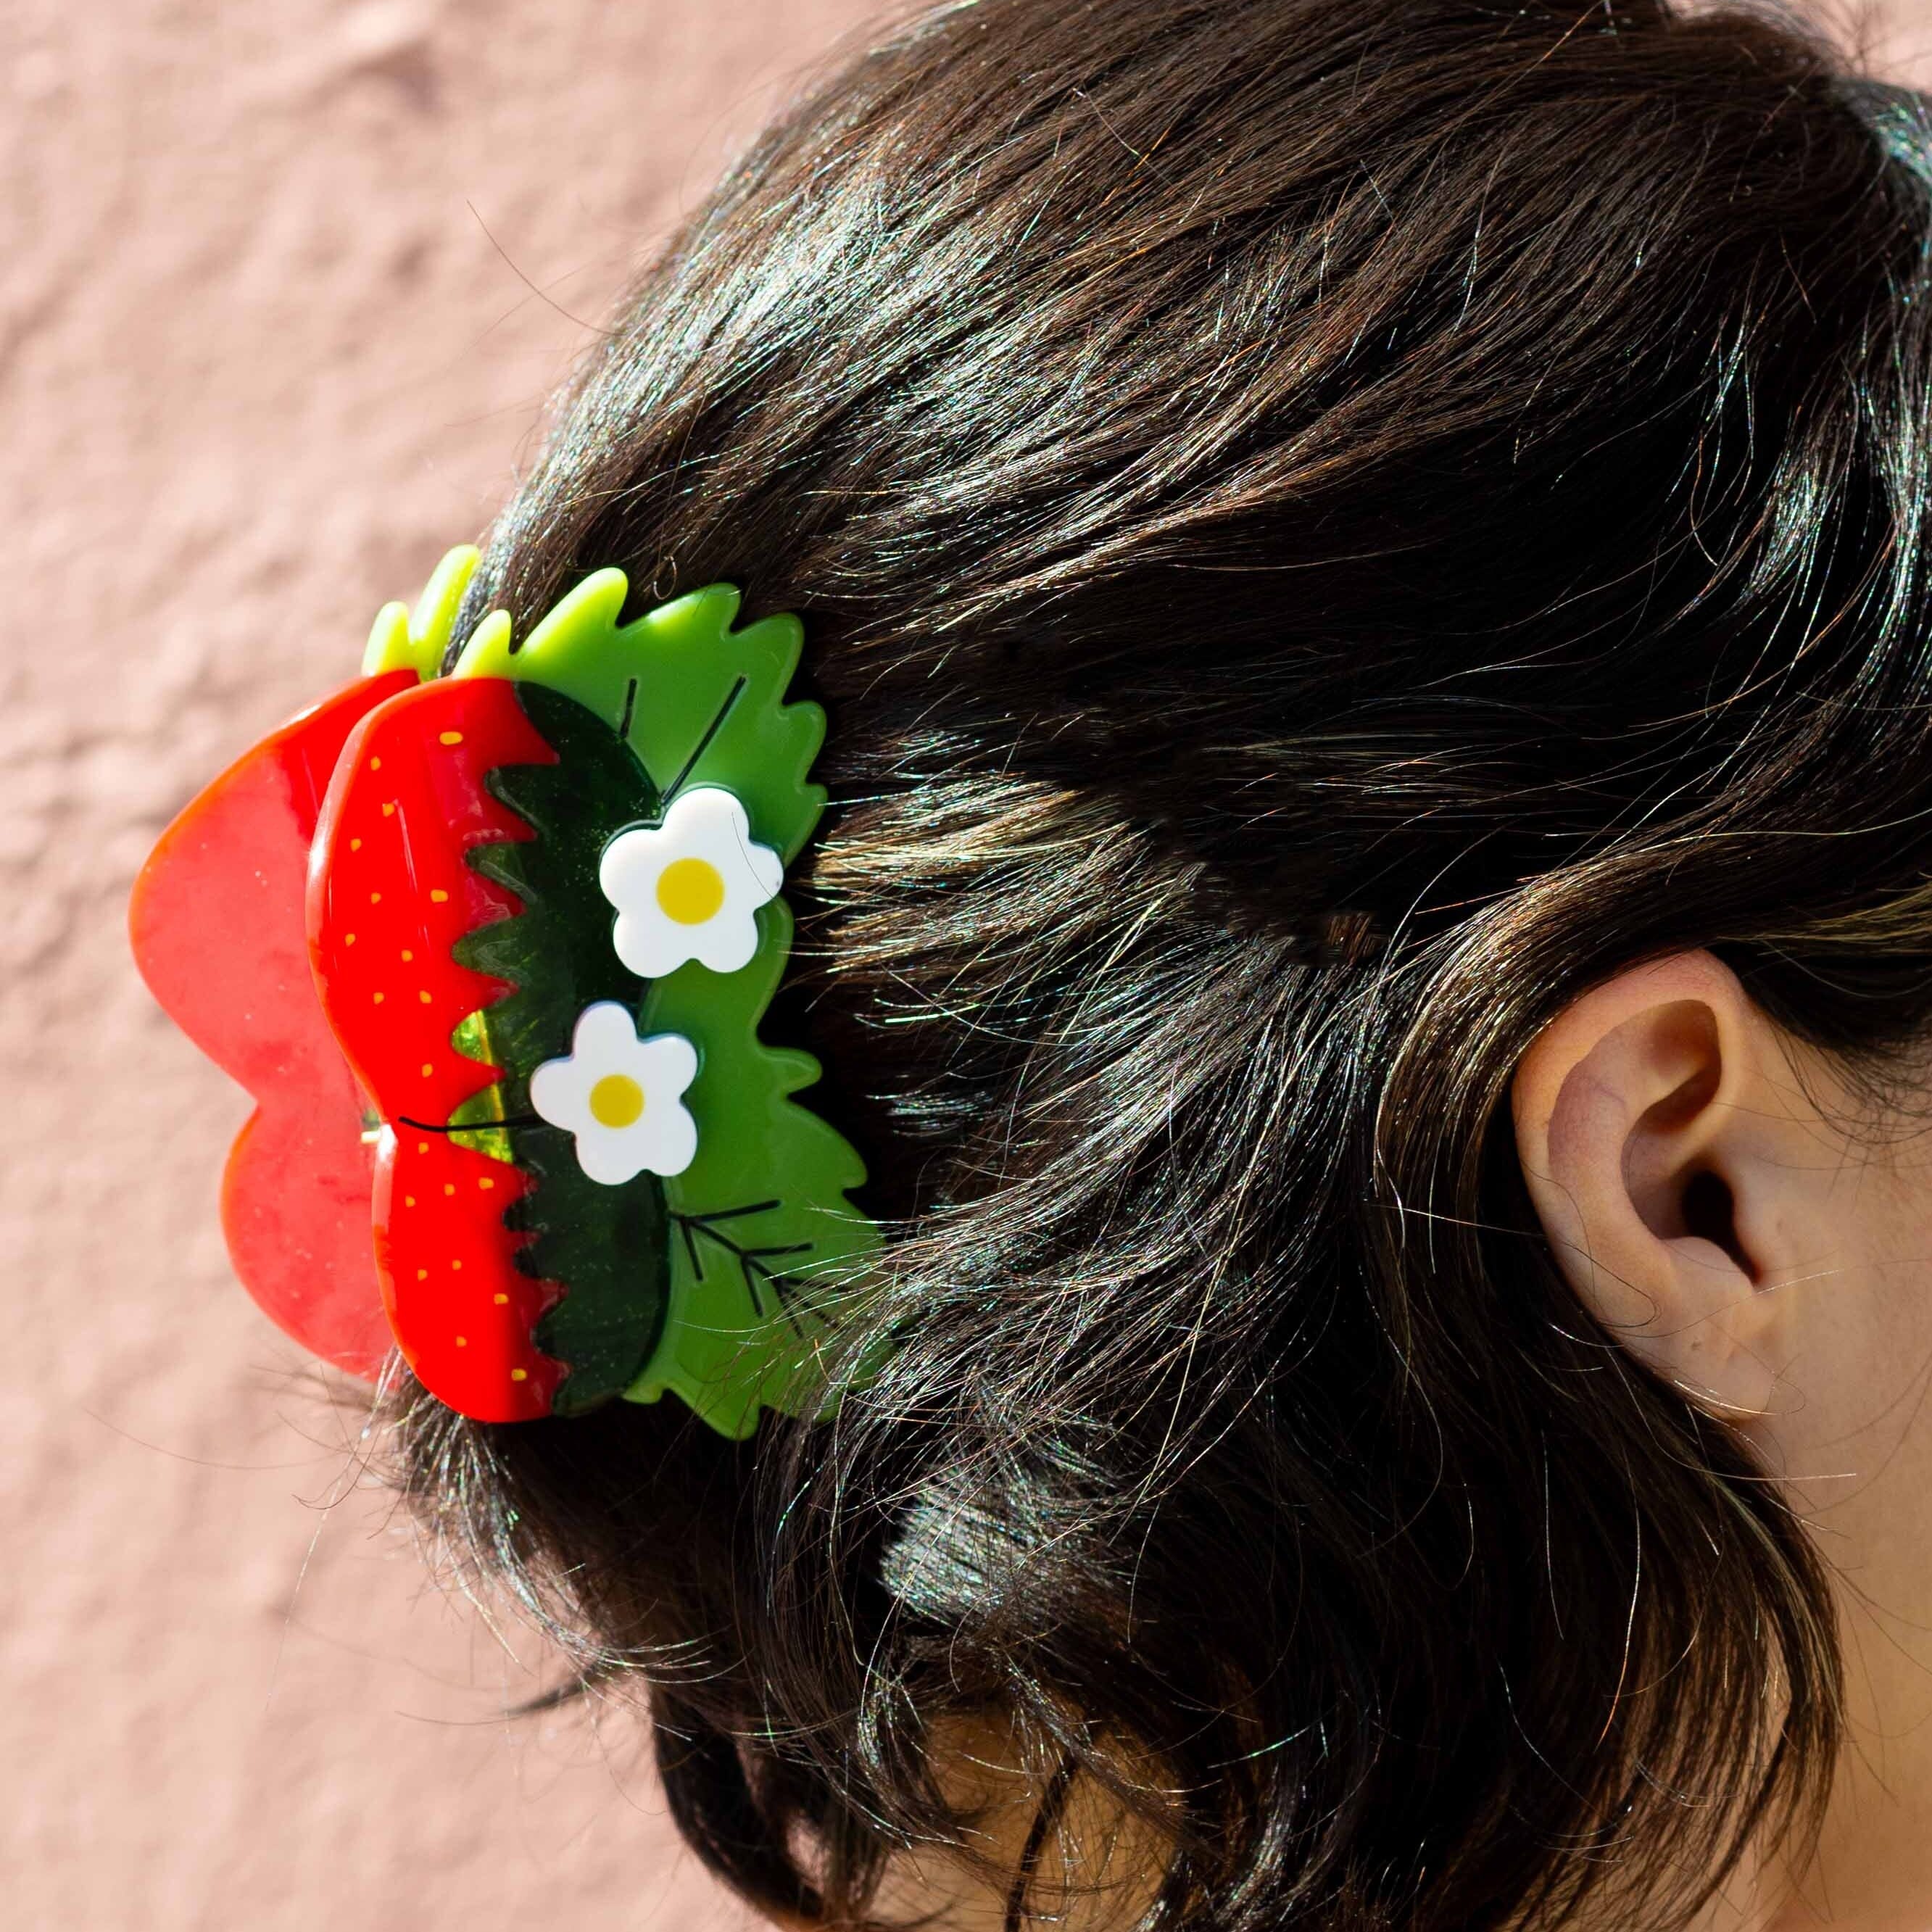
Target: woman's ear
x: 1663, y: 1135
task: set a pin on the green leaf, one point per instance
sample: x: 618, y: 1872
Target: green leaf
x: 769, y: 1181
x: 406, y: 640
x: 608, y: 1246
x: 701, y: 703
x: 764, y: 1251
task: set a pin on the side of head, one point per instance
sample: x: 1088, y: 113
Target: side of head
x: 1366, y: 567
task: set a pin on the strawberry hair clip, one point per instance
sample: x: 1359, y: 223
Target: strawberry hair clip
x: 489, y: 950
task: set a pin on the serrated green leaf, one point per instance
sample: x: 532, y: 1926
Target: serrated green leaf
x: 608, y: 1246
x: 701, y: 703
x: 764, y: 1250
x: 746, y: 1329
x: 405, y: 640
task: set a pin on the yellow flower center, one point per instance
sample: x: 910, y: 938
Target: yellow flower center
x: 690, y: 890
x: 616, y: 1100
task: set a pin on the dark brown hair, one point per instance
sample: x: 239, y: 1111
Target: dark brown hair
x: 1325, y: 527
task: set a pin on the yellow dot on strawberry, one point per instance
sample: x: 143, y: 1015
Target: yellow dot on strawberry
x: 437, y: 895
x: 486, y: 1183
x: 389, y: 808
x: 375, y: 898
x: 349, y: 939
x: 463, y: 1341
x: 456, y: 1268
x: 616, y: 1101
x: 355, y: 844
x: 690, y: 891
x: 449, y: 1187
x: 424, y: 998
x: 407, y: 955
x: 422, y: 1147
x: 519, y: 1375
x: 427, y: 1070
x: 501, y: 1300
x: 422, y: 1274
x: 379, y: 999
x: 451, y: 738
x: 375, y: 764
x: 409, y: 1200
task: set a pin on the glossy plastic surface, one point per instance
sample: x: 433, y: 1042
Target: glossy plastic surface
x: 218, y: 924
x: 390, y: 893
x: 603, y: 1238
x: 401, y: 639
x: 766, y: 1247
x: 391, y: 916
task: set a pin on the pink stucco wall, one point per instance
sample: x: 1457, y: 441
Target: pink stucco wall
x: 268, y: 342
x: 281, y: 288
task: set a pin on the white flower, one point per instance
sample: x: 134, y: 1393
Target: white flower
x: 622, y: 1097
x: 688, y: 889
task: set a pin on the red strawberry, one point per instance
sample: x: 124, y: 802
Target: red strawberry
x: 390, y: 895
x: 460, y: 1306
x: 217, y: 922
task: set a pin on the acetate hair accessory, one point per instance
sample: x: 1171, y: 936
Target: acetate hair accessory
x: 490, y: 951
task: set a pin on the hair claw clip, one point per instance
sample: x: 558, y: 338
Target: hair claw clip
x: 490, y: 951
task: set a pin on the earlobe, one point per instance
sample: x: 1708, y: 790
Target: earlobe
x: 1650, y: 1156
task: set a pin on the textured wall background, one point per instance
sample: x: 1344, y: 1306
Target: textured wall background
x: 268, y: 344
x: 281, y: 287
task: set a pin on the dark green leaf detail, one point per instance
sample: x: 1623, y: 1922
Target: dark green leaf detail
x: 556, y: 952
x: 609, y: 1247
